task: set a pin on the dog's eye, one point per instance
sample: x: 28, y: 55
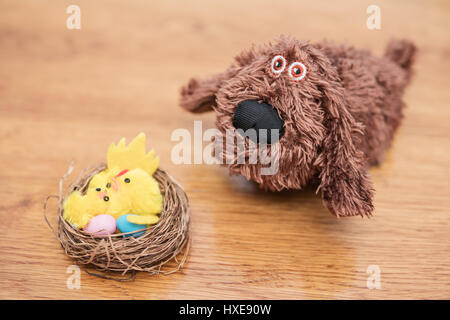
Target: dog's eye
x: 278, y: 64
x: 297, y: 71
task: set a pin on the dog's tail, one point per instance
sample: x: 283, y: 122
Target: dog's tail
x: 403, y: 53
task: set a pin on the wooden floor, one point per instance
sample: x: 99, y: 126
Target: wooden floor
x: 66, y: 94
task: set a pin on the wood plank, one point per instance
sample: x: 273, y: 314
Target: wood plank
x: 66, y: 94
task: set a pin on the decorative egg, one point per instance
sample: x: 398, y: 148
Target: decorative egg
x: 101, y: 225
x: 125, y: 226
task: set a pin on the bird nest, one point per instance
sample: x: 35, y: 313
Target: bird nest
x: 157, y: 251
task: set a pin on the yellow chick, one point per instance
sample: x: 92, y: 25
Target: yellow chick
x: 126, y: 186
x: 79, y: 208
x: 135, y: 192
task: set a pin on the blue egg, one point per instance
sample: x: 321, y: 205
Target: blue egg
x: 125, y: 226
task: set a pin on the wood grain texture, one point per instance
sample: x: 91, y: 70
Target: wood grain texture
x: 66, y: 94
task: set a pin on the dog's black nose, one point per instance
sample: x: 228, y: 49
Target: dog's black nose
x: 250, y: 114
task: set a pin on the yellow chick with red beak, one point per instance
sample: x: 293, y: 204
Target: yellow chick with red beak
x: 126, y: 186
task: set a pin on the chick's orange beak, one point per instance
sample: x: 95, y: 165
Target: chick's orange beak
x: 101, y: 194
x: 115, y: 184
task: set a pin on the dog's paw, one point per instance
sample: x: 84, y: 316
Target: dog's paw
x: 349, y: 199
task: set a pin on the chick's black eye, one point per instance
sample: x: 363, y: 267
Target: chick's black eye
x: 108, y: 185
x: 127, y: 180
x: 106, y: 198
x: 98, y: 189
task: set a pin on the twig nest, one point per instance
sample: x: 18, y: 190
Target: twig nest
x: 158, y: 245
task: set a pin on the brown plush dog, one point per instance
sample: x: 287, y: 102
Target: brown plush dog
x: 336, y: 110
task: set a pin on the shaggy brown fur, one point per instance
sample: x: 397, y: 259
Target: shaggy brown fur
x: 337, y: 121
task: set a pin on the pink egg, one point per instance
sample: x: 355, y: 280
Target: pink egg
x: 101, y: 225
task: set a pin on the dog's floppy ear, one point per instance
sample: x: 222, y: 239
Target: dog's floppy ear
x: 344, y: 182
x: 200, y: 95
